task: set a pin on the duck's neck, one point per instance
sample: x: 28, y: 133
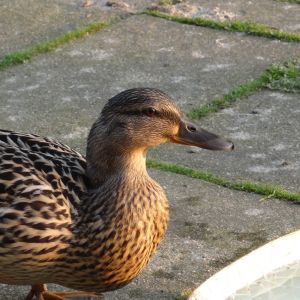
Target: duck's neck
x: 110, y: 164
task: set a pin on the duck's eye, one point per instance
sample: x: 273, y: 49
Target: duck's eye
x: 150, y: 111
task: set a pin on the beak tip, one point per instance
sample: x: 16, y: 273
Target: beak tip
x: 230, y: 146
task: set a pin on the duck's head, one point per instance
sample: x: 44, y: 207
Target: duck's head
x: 140, y: 118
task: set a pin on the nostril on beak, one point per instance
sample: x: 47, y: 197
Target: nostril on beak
x: 191, y: 128
x: 232, y: 146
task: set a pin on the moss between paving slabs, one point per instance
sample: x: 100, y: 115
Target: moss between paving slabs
x: 181, y: 297
x: 20, y: 57
x: 289, y: 1
x: 169, y: 2
x: 234, y: 25
x: 268, y: 190
x: 284, y: 77
x: 184, y: 295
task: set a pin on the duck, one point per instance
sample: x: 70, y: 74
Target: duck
x: 89, y: 223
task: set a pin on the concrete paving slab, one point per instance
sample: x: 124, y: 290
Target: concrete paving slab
x: 132, y: 6
x: 61, y: 93
x: 281, y: 15
x: 265, y: 129
x: 210, y: 227
x: 25, y: 23
x: 67, y: 88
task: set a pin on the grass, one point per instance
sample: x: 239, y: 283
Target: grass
x: 184, y: 295
x: 181, y: 297
x: 20, y: 57
x: 267, y: 190
x: 226, y: 100
x: 168, y: 2
x: 285, y: 77
x: 251, y: 28
x: 290, y: 1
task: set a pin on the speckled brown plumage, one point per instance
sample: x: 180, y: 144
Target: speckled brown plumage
x: 90, y: 225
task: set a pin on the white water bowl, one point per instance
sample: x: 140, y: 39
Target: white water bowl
x: 271, y: 272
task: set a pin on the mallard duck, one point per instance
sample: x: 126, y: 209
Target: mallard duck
x: 89, y: 224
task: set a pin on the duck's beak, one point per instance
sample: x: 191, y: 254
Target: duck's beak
x: 190, y: 134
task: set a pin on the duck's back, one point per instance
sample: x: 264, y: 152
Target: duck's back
x: 41, y: 183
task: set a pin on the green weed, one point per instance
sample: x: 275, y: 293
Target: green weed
x: 285, y: 77
x: 20, y: 57
x: 246, y: 186
x: 232, y: 25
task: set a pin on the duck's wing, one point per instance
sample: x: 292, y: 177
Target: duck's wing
x: 31, y: 165
x: 41, y: 184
